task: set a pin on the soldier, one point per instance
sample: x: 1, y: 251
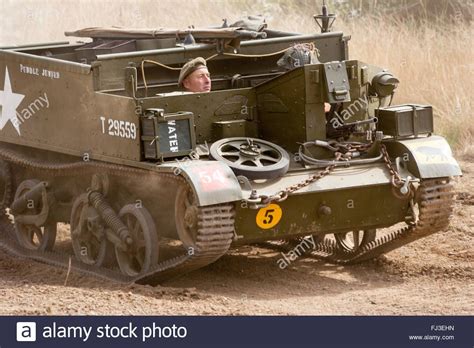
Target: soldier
x: 194, y: 76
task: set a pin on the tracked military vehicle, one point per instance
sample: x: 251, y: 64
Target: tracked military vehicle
x: 295, y: 139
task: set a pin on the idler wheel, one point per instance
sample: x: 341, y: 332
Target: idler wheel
x: 88, y: 233
x: 253, y: 158
x: 186, y: 217
x: 353, y: 240
x: 142, y: 254
x: 31, y: 236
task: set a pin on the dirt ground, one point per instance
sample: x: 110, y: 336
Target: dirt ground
x: 431, y: 276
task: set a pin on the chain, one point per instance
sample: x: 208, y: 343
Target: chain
x: 396, y: 179
x: 401, y: 188
x: 342, y: 152
x: 282, y: 195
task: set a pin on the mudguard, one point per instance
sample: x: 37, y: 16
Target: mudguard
x: 429, y: 157
x: 212, y: 181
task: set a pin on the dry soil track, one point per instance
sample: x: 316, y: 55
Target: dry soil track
x: 431, y: 276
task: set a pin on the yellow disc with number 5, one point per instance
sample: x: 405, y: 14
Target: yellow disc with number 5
x: 269, y: 216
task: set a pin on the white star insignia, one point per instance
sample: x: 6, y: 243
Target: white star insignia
x: 9, y: 102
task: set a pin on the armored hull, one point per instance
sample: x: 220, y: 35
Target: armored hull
x: 294, y: 140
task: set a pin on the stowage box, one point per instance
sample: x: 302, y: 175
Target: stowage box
x: 167, y: 135
x: 405, y: 120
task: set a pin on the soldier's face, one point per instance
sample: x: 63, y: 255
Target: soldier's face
x: 198, y: 81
